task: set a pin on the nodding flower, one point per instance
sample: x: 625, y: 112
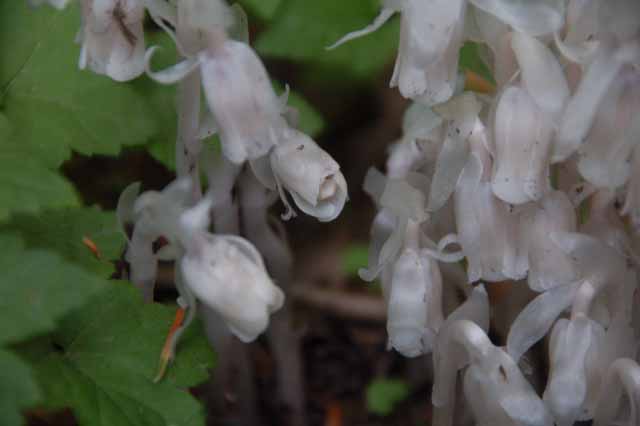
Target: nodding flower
x: 431, y: 33
x: 228, y: 275
x: 310, y: 175
x: 414, y: 298
x: 239, y: 95
x: 487, y: 227
x: 112, y: 38
x: 623, y: 378
x: 246, y: 110
x: 549, y: 266
x: 495, y: 388
x: 154, y: 216
x: 522, y: 137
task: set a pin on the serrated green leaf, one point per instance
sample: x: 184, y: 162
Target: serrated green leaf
x: 102, y: 360
x: 62, y: 231
x: 37, y: 288
x: 52, y: 106
x: 18, y: 389
x: 26, y: 185
x: 263, y: 9
x: 302, y: 29
x: 384, y: 394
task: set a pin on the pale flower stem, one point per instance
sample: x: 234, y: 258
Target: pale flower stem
x: 232, y: 361
x: 283, y: 340
x: 188, y: 146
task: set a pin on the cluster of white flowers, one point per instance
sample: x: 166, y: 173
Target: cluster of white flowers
x: 260, y: 143
x: 537, y: 184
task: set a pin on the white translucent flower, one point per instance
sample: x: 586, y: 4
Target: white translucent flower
x: 606, y: 224
x: 542, y: 75
x: 600, y: 267
x: 461, y: 115
x: 582, y: 37
x: 623, y: 379
x: 419, y: 122
x: 522, y: 137
x: 487, y: 227
x: 157, y: 213
x: 535, y: 18
x: 566, y: 388
x: 310, y: 175
x: 399, y: 200
x: 154, y: 215
x: 112, y: 38
x: 614, y: 134
x: 227, y: 274
x: 414, y: 299
x: 446, y: 364
x: 239, y: 94
x: 549, y: 266
x: 583, y: 105
x: 494, y: 386
x: 430, y: 38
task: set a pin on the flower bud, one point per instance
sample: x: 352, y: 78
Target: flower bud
x: 112, y: 38
x: 227, y: 274
x: 414, y: 303
x: 310, y: 175
x: 522, y: 141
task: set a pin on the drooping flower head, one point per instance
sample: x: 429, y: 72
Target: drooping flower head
x: 112, y: 38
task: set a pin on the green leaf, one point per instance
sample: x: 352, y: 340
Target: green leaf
x: 26, y: 185
x: 302, y: 29
x: 356, y: 256
x: 18, y: 389
x: 62, y: 231
x: 52, y: 106
x: 470, y: 59
x: 263, y: 9
x: 102, y: 360
x: 384, y: 394
x: 37, y: 288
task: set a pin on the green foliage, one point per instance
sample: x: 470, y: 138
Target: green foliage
x: 302, y: 29
x: 52, y: 106
x: 62, y: 231
x: 356, y: 256
x: 263, y: 9
x: 91, y: 344
x: 37, y: 288
x: 102, y: 359
x: 384, y: 394
x: 471, y: 59
x: 26, y: 185
x: 18, y: 389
